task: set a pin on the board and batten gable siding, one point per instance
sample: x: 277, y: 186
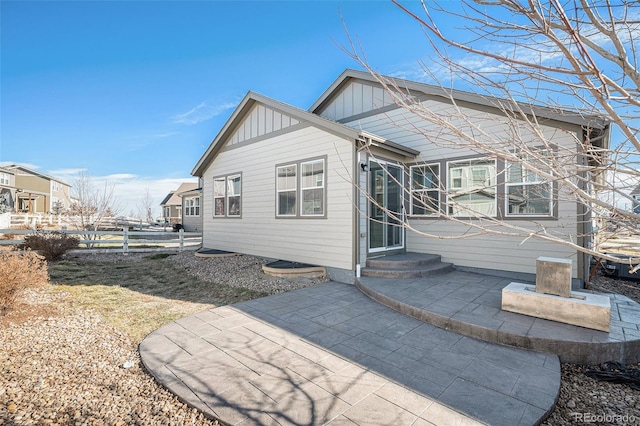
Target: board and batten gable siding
x: 319, y: 241
x: 485, y: 251
x: 261, y: 121
x: 356, y: 98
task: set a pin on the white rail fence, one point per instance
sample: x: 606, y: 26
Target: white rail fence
x: 33, y: 220
x: 124, y: 241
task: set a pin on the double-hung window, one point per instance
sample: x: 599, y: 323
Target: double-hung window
x: 425, y: 190
x: 471, y: 187
x: 287, y: 189
x: 312, y: 188
x: 192, y: 206
x: 300, y: 189
x: 528, y: 194
x: 227, y: 196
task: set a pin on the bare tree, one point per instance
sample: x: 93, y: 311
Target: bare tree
x: 531, y: 59
x: 91, y: 205
x: 145, y: 207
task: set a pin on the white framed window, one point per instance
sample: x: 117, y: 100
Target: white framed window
x: 300, y: 189
x: 4, y: 178
x: 527, y: 193
x: 312, y: 188
x: 471, y: 187
x: 192, y: 206
x: 227, y: 196
x: 234, y: 195
x: 219, y: 196
x: 287, y: 190
x: 425, y: 190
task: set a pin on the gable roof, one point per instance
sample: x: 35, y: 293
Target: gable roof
x: 174, y: 198
x: 17, y: 167
x: 252, y: 98
x: 11, y: 172
x: 166, y: 198
x: 565, y: 116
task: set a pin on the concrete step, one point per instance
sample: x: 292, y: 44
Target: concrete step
x: 404, y: 260
x: 420, y: 271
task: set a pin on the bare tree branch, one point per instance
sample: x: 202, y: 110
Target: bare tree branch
x: 90, y: 206
x: 528, y: 57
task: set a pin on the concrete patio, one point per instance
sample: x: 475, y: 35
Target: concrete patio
x: 330, y: 355
x: 470, y: 304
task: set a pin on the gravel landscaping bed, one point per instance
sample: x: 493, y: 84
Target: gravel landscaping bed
x: 63, y: 365
x: 239, y: 271
x: 586, y: 400
x: 60, y: 364
x: 70, y: 367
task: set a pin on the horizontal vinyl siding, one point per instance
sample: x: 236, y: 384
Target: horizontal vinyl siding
x: 435, y: 143
x: 33, y: 183
x: 326, y: 242
x: 192, y: 223
x: 484, y: 251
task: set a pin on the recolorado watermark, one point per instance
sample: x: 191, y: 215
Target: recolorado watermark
x: 622, y: 419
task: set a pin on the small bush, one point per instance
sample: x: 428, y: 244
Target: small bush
x: 19, y: 271
x: 51, y: 245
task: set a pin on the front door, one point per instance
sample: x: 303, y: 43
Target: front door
x: 385, y: 206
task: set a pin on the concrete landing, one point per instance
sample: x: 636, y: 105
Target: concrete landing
x: 328, y: 354
x: 470, y: 304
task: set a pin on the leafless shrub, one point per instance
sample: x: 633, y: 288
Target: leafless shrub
x: 51, y: 245
x: 19, y: 271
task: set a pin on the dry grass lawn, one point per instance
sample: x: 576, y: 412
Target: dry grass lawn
x: 139, y: 296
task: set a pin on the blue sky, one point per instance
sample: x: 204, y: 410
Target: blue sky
x: 133, y: 92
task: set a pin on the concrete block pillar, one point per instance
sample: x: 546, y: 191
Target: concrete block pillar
x: 553, y: 276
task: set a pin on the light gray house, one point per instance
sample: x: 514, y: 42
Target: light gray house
x: 635, y: 195
x: 191, y: 214
x: 172, y: 204
x: 285, y: 183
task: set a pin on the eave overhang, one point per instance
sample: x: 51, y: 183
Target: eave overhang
x: 251, y: 98
x: 407, y: 86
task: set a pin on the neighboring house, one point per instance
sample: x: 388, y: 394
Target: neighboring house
x: 39, y: 193
x: 635, y: 194
x: 191, y: 209
x: 290, y: 184
x: 7, y: 190
x: 172, y: 204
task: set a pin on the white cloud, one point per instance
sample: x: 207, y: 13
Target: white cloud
x: 164, y: 135
x: 120, y: 176
x: 130, y: 191
x: 66, y: 173
x: 202, y: 112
